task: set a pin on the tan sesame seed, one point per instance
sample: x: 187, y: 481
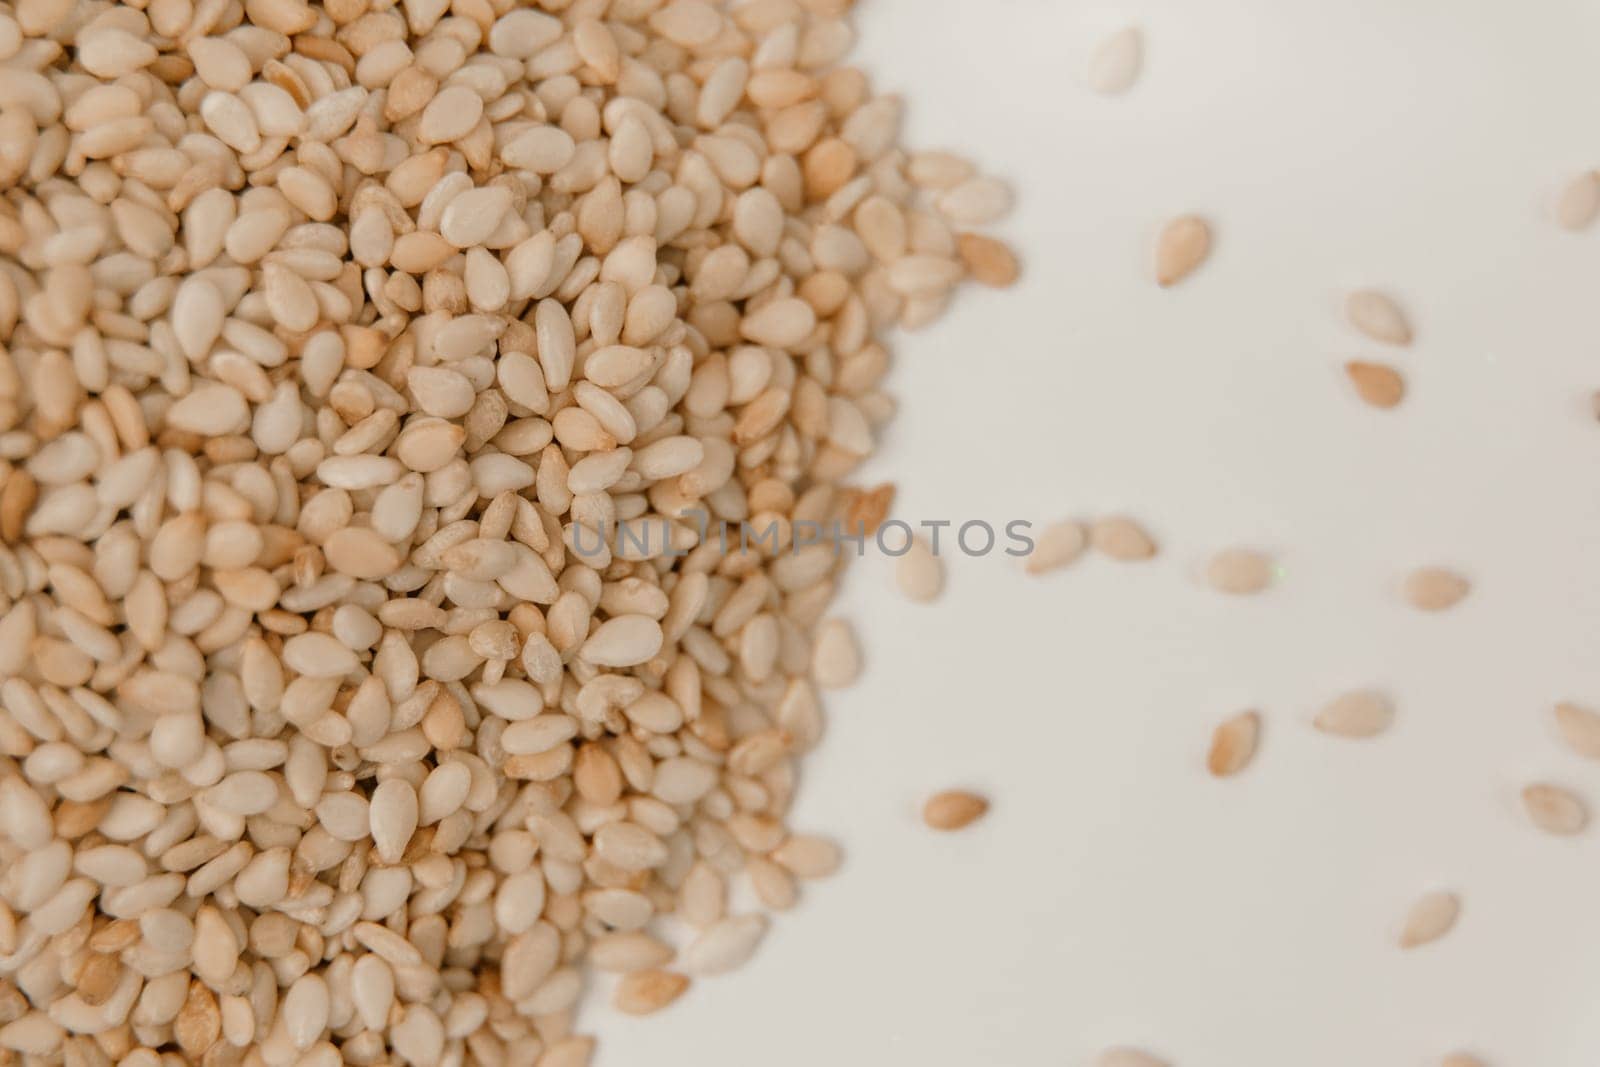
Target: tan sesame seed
x: 1233, y: 745
x: 1555, y: 810
x: 1184, y: 244
x: 1379, y: 385
x: 1357, y: 714
x: 954, y: 810
x: 1122, y: 539
x: 1435, y: 589
x: 1116, y: 61
x: 1430, y: 918
x: 1378, y: 316
x: 1239, y: 571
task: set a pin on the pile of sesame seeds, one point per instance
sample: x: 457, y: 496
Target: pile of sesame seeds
x: 336, y: 341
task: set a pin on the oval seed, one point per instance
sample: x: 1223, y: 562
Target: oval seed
x: 1580, y: 729
x: 835, y: 659
x: 1579, y: 202
x: 954, y: 810
x: 625, y: 641
x: 1059, y: 545
x: 1363, y: 713
x: 1233, y: 745
x: 725, y: 945
x: 473, y: 217
x: 393, y: 813
x: 808, y: 857
x: 305, y: 1010
x: 1435, y: 589
x: 1555, y: 810
x: 990, y: 262
x: 1429, y: 919
x: 450, y: 115
x: 919, y: 573
x: 1378, y: 316
x: 647, y: 991
x: 975, y: 202
x: 1115, y: 64
x: 1184, y: 244
x: 1122, y: 539
x: 1379, y: 385
x: 1239, y: 572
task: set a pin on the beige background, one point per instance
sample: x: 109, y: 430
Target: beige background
x: 1118, y: 894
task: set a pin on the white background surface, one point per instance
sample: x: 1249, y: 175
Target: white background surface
x: 1117, y: 893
